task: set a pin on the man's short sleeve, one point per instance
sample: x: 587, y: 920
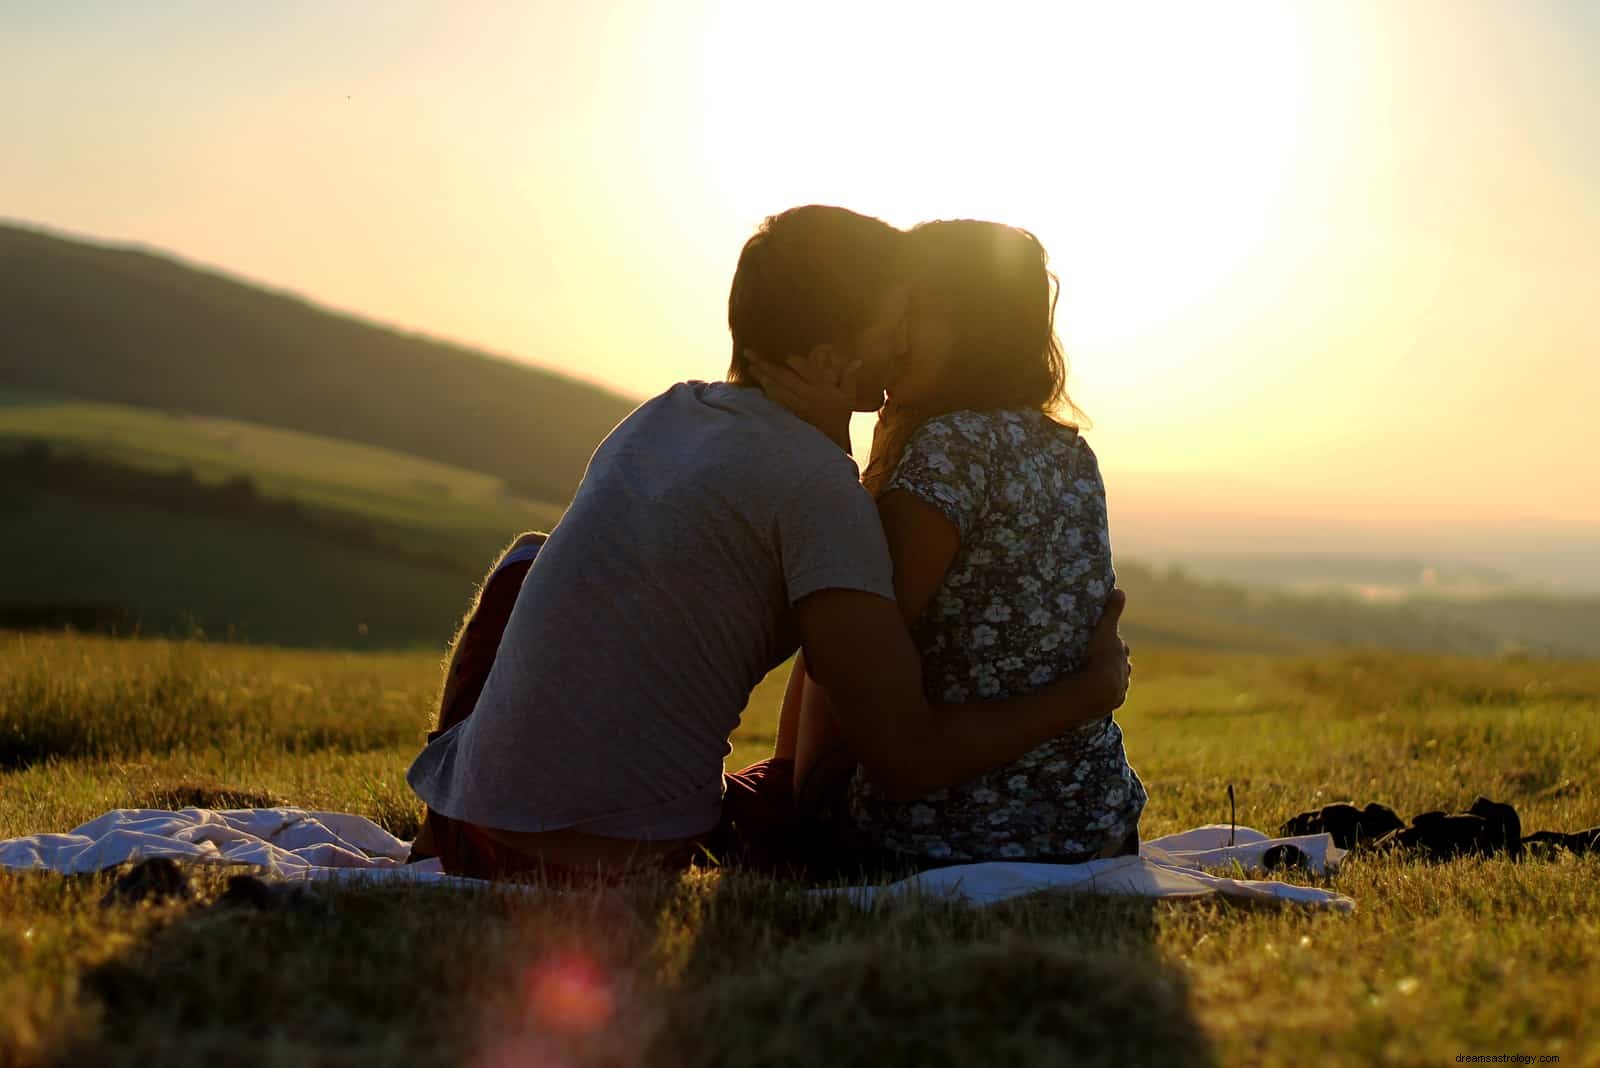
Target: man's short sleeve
x: 830, y: 537
x: 946, y: 464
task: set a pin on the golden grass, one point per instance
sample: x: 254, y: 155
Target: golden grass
x: 1471, y: 957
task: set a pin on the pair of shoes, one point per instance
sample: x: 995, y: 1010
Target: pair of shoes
x: 153, y: 879
x: 1487, y: 828
x: 1349, y: 826
x: 249, y: 892
x: 1580, y: 842
x: 159, y: 879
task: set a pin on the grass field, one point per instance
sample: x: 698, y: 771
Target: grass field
x: 1471, y: 957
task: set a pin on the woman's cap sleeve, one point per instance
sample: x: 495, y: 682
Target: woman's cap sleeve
x: 947, y: 464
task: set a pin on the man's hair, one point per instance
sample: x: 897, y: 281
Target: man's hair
x: 809, y: 276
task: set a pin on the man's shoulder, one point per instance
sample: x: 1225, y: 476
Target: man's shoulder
x: 725, y: 409
x: 717, y: 431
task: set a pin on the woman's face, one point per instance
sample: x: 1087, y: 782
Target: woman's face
x: 929, y: 344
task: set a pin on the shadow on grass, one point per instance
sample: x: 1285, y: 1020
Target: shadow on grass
x: 782, y: 978
x: 357, y: 977
x: 706, y: 970
x: 202, y: 794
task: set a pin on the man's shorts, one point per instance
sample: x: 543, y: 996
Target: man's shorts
x: 757, y: 817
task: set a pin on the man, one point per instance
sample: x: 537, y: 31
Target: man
x: 713, y: 533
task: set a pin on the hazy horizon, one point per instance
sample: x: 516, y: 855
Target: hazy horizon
x: 1335, y: 264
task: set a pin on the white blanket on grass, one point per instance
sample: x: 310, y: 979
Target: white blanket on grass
x: 294, y: 844
x: 1172, y: 866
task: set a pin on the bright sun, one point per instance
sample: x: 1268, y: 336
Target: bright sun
x: 1154, y: 184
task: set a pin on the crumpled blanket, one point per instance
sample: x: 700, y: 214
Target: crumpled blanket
x: 296, y: 844
x: 286, y: 843
x: 1172, y: 866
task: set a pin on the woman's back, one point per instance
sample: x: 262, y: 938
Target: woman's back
x: 1014, y: 613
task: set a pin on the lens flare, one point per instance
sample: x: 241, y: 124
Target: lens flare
x: 568, y: 993
x: 564, y: 1005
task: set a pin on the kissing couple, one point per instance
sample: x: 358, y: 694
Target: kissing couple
x: 954, y: 604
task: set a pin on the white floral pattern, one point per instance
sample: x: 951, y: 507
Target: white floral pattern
x: 1015, y: 612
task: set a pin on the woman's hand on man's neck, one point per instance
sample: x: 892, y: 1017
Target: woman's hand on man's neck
x: 813, y: 389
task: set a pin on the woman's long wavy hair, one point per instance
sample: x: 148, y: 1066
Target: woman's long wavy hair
x: 993, y: 282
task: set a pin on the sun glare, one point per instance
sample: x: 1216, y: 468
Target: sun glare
x: 1154, y: 183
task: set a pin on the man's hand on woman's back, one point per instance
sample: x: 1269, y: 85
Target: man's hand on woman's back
x: 857, y: 649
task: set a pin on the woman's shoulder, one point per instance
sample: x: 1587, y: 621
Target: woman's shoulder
x: 992, y: 426
x: 969, y: 435
x: 1002, y: 437
x: 963, y: 423
x: 1045, y: 451
x: 1027, y: 429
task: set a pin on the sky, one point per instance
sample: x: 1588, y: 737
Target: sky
x: 1317, y: 259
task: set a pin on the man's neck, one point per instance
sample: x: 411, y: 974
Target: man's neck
x: 839, y: 435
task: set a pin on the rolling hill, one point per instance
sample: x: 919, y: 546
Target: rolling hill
x: 140, y: 521
x: 430, y: 505
x: 181, y: 451
x: 130, y: 327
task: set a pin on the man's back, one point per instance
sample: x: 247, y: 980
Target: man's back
x: 658, y: 603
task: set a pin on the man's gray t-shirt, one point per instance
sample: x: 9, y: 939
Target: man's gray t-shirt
x: 662, y: 598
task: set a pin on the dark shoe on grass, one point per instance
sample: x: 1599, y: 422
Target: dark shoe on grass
x: 1505, y: 826
x: 249, y: 892
x: 1285, y: 857
x: 1444, y: 835
x: 154, y: 879
x: 1348, y: 825
x: 1581, y: 843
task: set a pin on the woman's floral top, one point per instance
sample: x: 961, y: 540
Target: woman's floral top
x: 1015, y: 612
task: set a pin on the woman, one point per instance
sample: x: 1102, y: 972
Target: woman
x: 996, y: 521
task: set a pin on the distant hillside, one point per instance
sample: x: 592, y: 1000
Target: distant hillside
x: 135, y: 521
x: 1374, y: 577
x: 431, y: 507
x: 130, y: 327
x: 1244, y: 618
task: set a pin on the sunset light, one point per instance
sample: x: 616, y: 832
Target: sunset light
x: 1298, y: 243
x: 1156, y: 167
x: 555, y: 533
